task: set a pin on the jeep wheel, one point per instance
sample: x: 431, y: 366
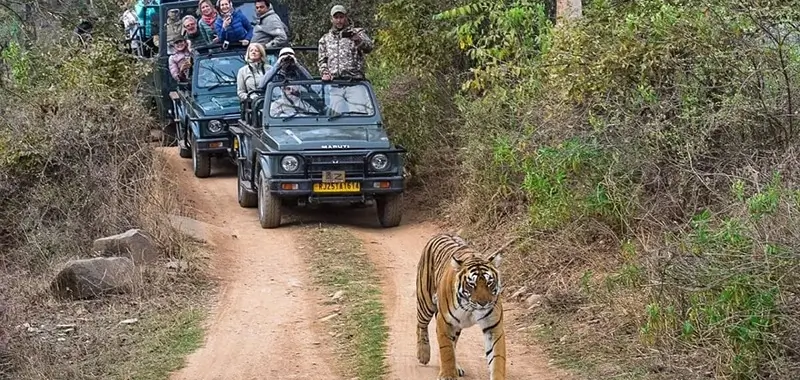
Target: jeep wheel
x: 247, y: 198
x: 201, y: 163
x: 269, y: 206
x: 184, y: 152
x: 390, y: 209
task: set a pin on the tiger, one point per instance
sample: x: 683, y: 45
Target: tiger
x: 462, y: 289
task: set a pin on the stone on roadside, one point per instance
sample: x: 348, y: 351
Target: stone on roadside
x: 95, y: 277
x: 134, y: 244
x: 192, y: 228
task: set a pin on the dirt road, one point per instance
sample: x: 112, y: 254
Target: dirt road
x: 265, y: 324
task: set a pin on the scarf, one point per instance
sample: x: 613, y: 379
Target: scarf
x: 209, y: 19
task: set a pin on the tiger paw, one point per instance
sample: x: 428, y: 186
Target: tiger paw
x: 451, y: 376
x: 424, y: 354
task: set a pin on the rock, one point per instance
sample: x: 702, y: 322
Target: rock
x: 133, y: 243
x: 192, y: 228
x: 519, y: 292
x: 338, y: 295
x: 328, y: 318
x: 91, y: 278
x: 178, y: 265
x: 128, y: 321
x: 533, y: 299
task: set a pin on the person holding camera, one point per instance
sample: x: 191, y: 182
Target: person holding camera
x: 341, y: 56
x: 286, y: 68
x: 341, y: 50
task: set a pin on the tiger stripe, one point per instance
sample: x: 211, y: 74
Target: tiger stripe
x: 461, y: 288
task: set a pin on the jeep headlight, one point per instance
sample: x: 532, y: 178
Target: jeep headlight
x: 290, y: 164
x: 379, y: 162
x: 215, y: 126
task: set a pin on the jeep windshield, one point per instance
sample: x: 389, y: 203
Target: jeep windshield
x: 332, y: 100
x: 218, y: 71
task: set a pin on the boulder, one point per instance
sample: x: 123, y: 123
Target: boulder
x: 192, y: 228
x: 133, y: 243
x: 91, y: 278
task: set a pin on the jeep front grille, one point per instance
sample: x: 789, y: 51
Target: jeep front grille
x: 353, y: 165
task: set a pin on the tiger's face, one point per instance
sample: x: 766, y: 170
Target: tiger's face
x: 478, y: 285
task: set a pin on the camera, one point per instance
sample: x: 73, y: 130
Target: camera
x: 288, y: 60
x: 347, y: 33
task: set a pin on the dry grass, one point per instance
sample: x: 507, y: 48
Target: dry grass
x: 76, y: 166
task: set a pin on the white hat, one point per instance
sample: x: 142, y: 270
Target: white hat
x: 286, y: 50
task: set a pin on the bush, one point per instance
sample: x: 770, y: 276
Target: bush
x: 597, y: 138
x: 75, y: 165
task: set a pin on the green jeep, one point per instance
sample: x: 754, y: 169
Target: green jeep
x: 207, y: 106
x: 310, y: 141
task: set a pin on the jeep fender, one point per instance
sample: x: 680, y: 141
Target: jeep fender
x: 195, y: 126
x: 263, y: 166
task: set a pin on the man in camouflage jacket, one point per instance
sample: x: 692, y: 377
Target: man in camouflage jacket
x: 341, y: 50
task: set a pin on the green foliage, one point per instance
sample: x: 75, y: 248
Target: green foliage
x: 628, y: 122
x: 728, y: 288
x: 497, y: 36
x: 18, y: 62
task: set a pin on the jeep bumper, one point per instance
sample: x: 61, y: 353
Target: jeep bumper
x: 213, y: 145
x: 368, y: 189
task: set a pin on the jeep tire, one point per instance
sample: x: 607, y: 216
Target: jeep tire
x: 269, y: 205
x: 183, y: 151
x: 247, y: 198
x: 201, y: 163
x: 390, y: 209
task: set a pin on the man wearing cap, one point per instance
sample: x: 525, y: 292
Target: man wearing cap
x: 286, y: 68
x: 341, y: 50
x: 173, y: 26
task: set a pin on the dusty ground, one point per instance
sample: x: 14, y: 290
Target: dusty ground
x: 265, y: 325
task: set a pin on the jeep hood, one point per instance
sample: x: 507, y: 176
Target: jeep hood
x: 219, y: 104
x: 335, y: 137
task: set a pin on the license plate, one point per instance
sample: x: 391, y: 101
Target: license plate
x: 333, y: 176
x: 341, y: 187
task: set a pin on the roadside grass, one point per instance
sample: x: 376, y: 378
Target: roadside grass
x: 340, y: 265
x: 163, y: 345
x: 142, y: 335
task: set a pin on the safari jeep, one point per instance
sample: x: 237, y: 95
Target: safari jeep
x: 309, y: 142
x: 154, y: 49
x: 206, y: 106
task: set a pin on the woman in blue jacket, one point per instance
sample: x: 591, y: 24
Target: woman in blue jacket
x: 232, y: 25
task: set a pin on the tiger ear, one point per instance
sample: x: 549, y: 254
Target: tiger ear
x: 456, y: 263
x: 496, y: 256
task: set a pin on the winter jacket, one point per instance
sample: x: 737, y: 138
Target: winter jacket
x: 270, y: 30
x: 239, y: 29
x: 175, y: 61
x: 341, y: 56
x: 173, y: 29
x: 203, y: 37
x: 248, y: 78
